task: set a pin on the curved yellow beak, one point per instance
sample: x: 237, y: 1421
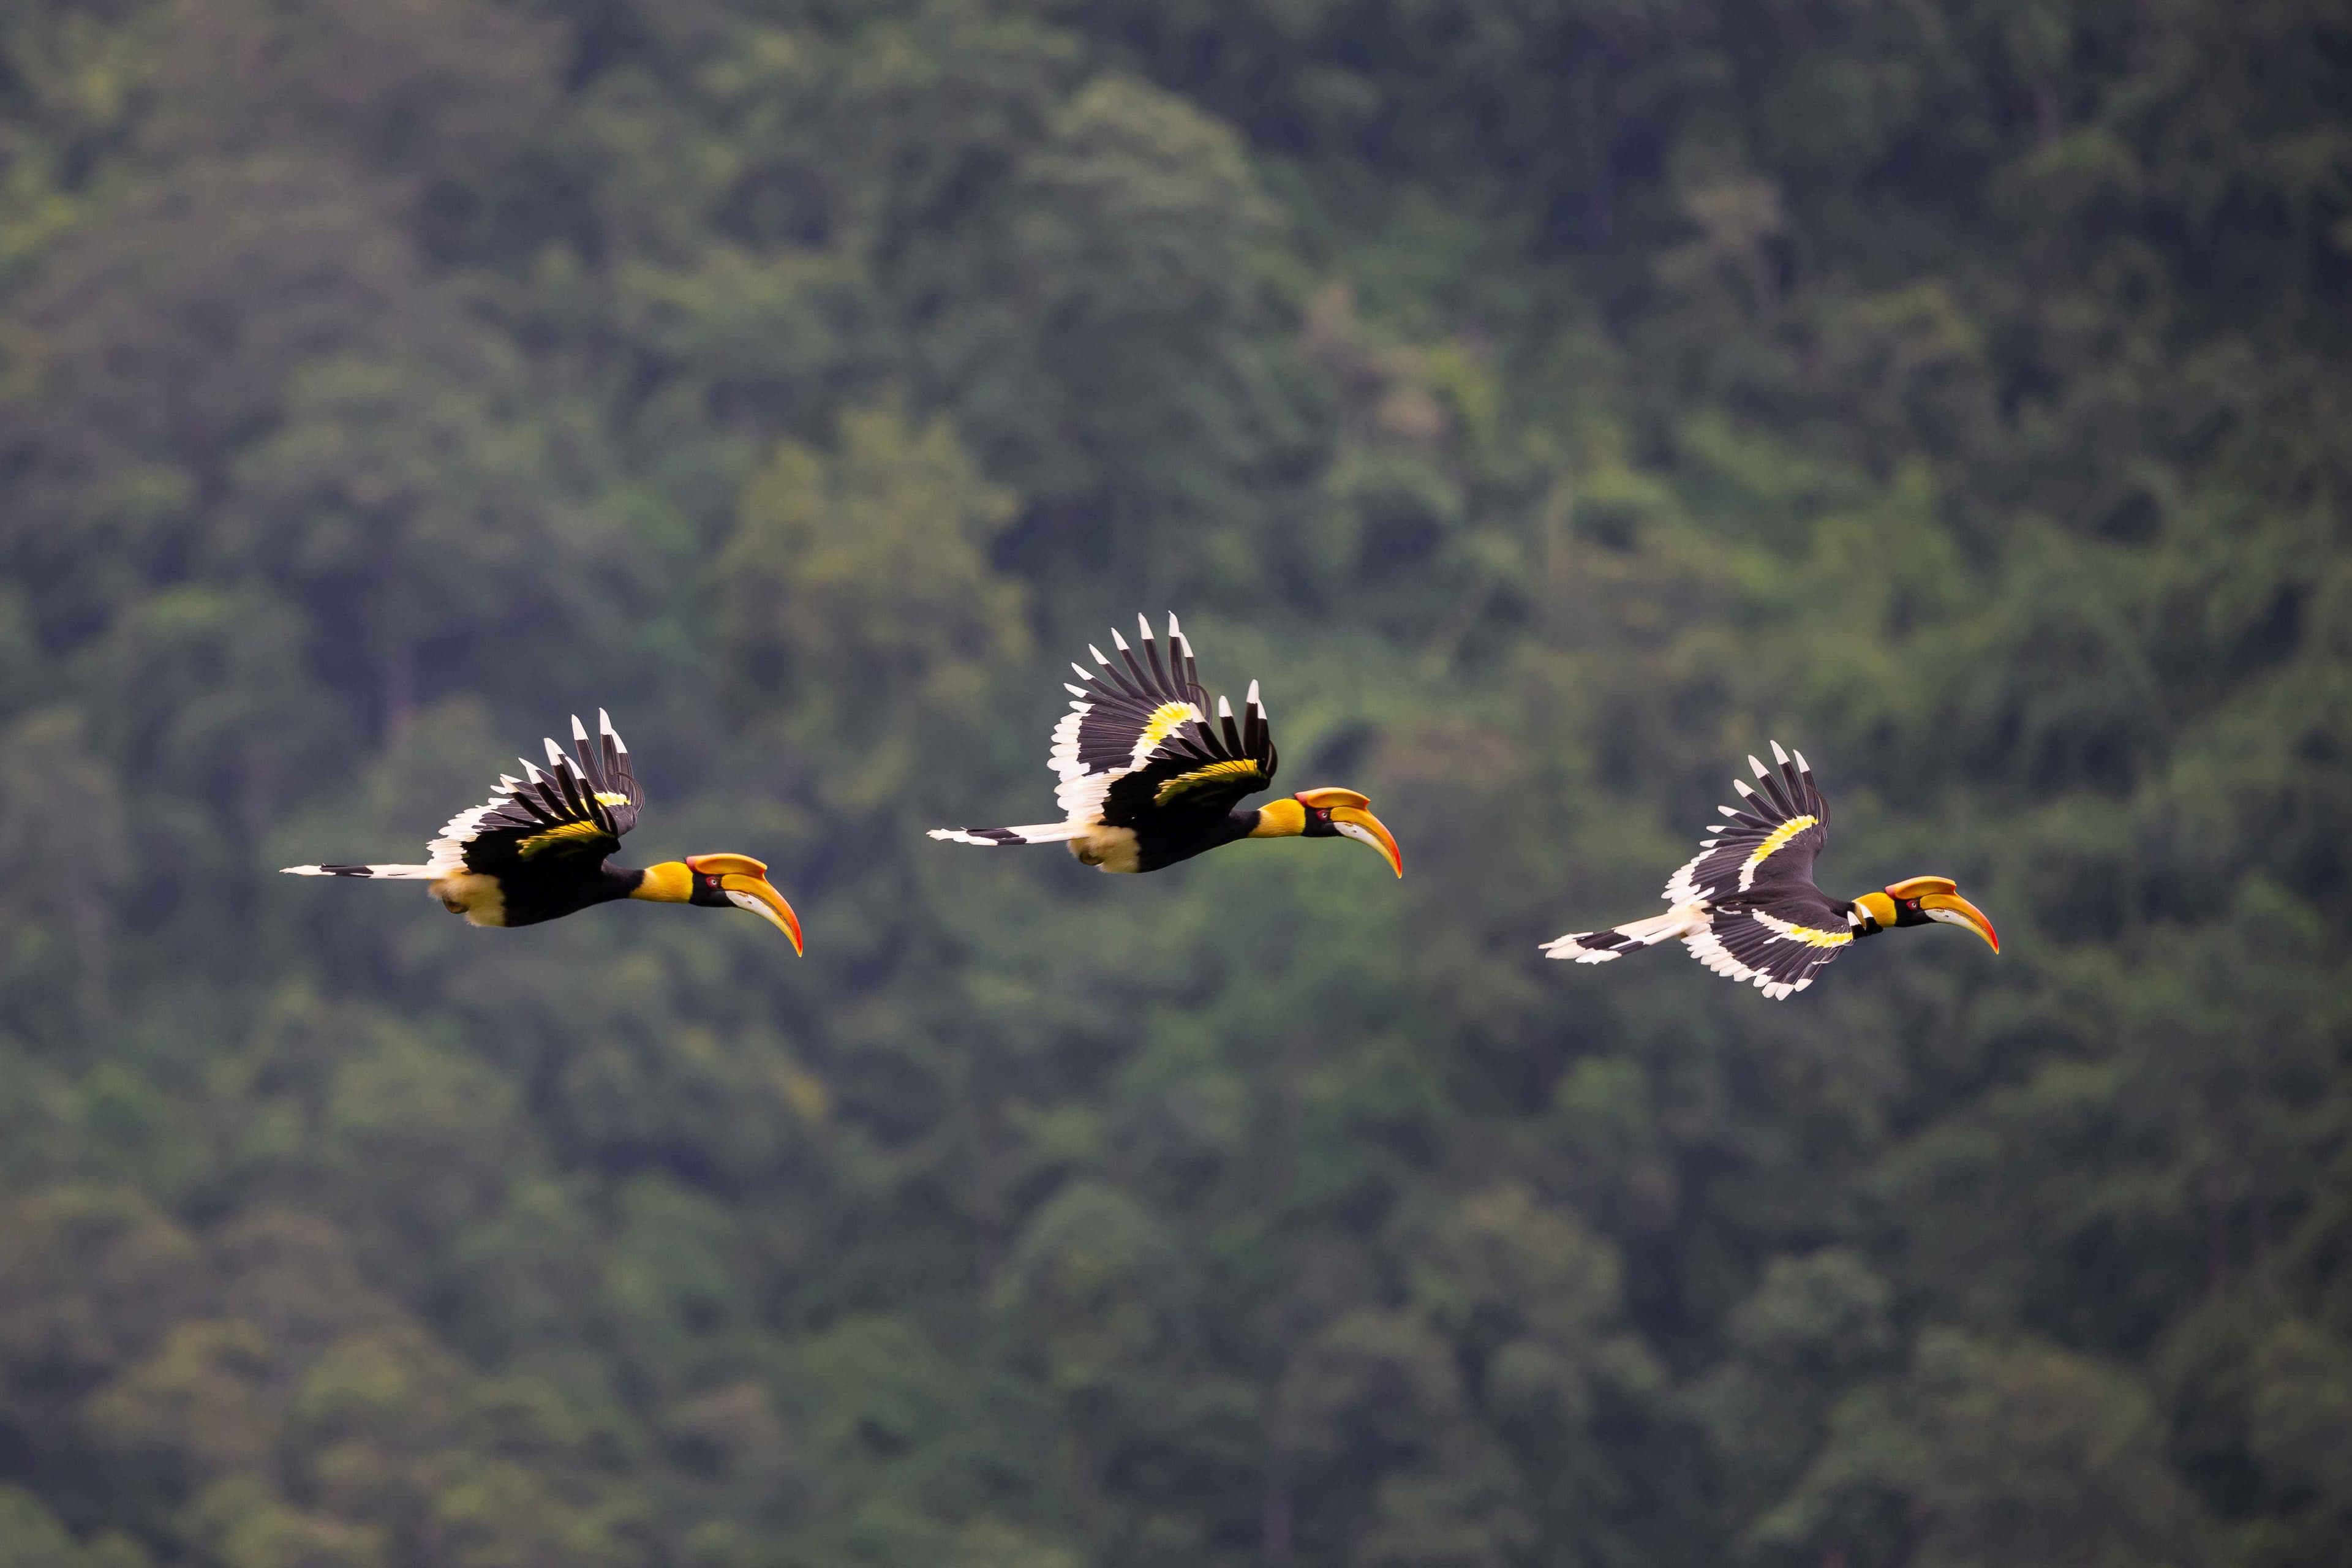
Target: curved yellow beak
x: 1955, y: 910
x: 757, y: 894
x: 1354, y: 822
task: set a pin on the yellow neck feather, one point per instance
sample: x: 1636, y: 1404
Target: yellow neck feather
x: 1280, y: 819
x: 671, y: 882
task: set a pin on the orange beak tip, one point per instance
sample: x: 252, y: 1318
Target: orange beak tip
x: 1355, y: 822
x: 758, y: 896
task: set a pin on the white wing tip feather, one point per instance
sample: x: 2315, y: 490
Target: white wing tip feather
x: 1778, y: 754
x: 1569, y: 949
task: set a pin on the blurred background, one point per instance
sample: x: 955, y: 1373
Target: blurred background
x: 1549, y: 401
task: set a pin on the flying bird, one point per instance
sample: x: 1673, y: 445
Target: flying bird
x: 537, y: 849
x: 1747, y: 907
x: 1148, y: 780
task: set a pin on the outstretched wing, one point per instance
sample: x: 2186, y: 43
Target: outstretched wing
x: 1137, y: 739
x: 569, y: 812
x: 1776, y: 941
x: 1767, y: 842
x: 1198, y: 768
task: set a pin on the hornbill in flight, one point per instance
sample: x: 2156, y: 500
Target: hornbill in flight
x: 1747, y: 907
x: 536, y: 849
x: 1148, y: 780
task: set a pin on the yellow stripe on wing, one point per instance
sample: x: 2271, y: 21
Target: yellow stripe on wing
x: 1812, y: 936
x: 570, y: 835
x: 1164, y: 720
x: 1225, y: 774
x: 1772, y: 842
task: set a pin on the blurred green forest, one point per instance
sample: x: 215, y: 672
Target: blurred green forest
x: 1549, y: 401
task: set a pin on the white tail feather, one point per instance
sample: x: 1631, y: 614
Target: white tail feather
x: 382, y: 873
x: 992, y: 838
x: 1599, y: 947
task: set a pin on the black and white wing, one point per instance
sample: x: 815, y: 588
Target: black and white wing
x: 571, y: 811
x: 564, y: 811
x: 1777, y: 942
x: 1768, y: 841
x: 1138, y: 739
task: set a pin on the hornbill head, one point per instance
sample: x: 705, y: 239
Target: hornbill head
x: 721, y: 881
x: 1918, y: 900
x: 1329, y: 814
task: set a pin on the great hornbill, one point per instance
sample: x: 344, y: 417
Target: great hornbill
x: 1747, y: 907
x: 1147, y: 780
x: 536, y: 849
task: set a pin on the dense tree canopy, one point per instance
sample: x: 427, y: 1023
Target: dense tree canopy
x: 1548, y: 401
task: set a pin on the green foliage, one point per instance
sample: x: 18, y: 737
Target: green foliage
x: 1549, y: 403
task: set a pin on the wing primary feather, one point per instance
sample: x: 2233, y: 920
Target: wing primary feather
x: 1772, y: 787
x: 1160, y: 679
x: 567, y: 781
x: 1793, y: 781
x: 623, y: 771
x: 528, y: 795
x: 1188, y: 672
x: 1117, y: 677
x: 592, y: 762
x: 1142, y: 687
x: 604, y: 748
